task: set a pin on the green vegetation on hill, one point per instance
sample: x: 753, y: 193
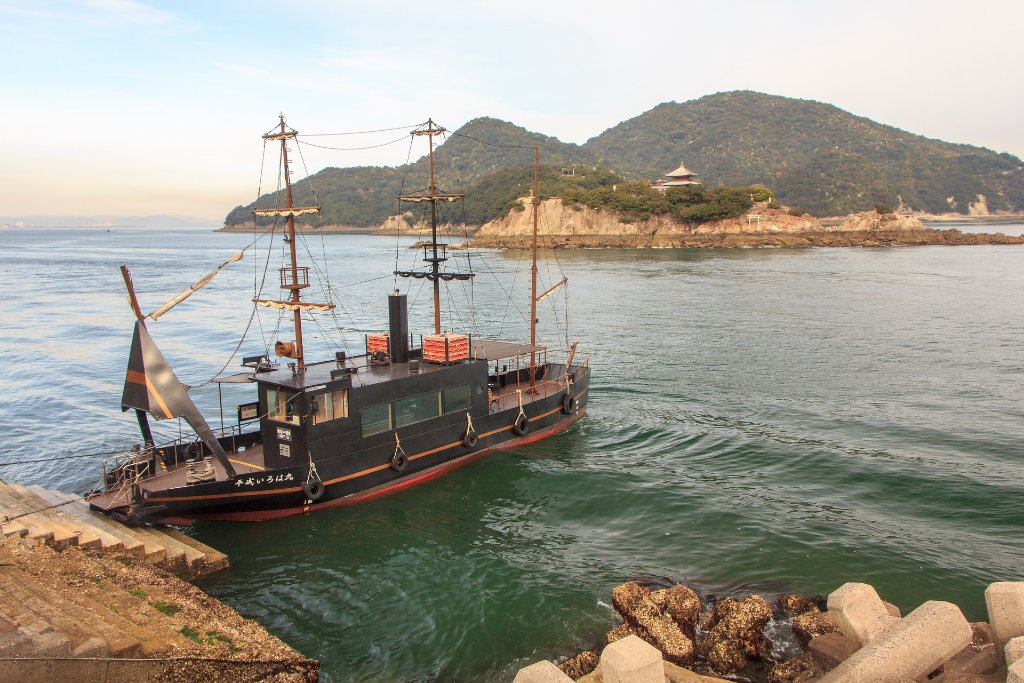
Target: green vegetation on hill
x: 816, y: 156
x: 695, y: 204
x: 488, y: 159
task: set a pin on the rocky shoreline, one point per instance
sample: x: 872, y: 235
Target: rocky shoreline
x: 823, y: 238
x: 563, y: 226
x: 852, y: 636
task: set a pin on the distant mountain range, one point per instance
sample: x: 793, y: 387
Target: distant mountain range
x: 105, y: 222
x: 813, y: 155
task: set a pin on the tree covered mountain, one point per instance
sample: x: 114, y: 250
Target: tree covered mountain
x: 815, y: 156
x: 487, y: 159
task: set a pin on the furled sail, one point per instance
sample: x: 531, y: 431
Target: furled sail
x: 417, y: 198
x: 151, y: 385
x: 293, y: 305
x: 290, y: 211
x: 155, y: 315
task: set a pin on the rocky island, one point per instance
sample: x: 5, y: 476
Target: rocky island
x: 562, y: 225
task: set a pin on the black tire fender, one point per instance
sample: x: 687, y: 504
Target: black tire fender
x: 470, y: 439
x: 314, y: 490
x: 399, y: 461
x: 569, y: 404
x: 521, y: 425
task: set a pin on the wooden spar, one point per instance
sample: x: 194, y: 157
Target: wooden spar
x: 552, y: 289
x: 288, y: 203
x: 131, y: 295
x: 140, y: 415
x: 533, y: 271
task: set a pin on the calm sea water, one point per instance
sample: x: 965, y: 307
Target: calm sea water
x: 767, y: 420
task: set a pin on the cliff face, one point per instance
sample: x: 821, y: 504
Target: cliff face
x: 563, y: 226
x: 872, y: 220
x: 557, y: 219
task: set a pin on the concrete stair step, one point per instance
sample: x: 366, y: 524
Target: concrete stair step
x: 135, y: 538
x: 72, y: 616
x: 87, y: 536
x: 108, y: 541
x: 45, y: 642
x: 40, y: 524
x: 214, y: 559
x: 14, y: 643
x: 67, y: 622
x: 78, y: 505
x: 133, y: 614
x: 15, y: 528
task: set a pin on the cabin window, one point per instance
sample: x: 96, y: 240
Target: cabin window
x: 376, y: 419
x: 457, y: 399
x: 330, y: 406
x: 417, y: 409
x: 281, y: 406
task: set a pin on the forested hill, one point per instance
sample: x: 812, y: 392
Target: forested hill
x: 815, y: 156
x: 482, y: 158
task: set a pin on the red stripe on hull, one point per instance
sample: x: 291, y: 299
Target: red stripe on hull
x: 263, y: 515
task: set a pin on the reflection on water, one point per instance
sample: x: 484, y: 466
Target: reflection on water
x: 760, y: 419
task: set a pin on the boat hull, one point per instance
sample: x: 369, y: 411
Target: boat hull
x: 277, y: 493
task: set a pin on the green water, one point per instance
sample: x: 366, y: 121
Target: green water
x: 767, y: 420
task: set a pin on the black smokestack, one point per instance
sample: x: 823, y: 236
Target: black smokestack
x: 398, y: 316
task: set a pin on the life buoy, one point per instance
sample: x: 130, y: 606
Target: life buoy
x: 314, y: 490
x: 399, y: 461
x: 470, y: 439
x: 569, y: 404
x: 522, y: 425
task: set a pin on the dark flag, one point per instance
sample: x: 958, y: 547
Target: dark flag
x: 152, y: 386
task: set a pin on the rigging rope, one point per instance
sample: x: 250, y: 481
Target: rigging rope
x: 349, y: 149
x: 363, y: 132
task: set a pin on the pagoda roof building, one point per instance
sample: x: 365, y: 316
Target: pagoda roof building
x: 681, y: 177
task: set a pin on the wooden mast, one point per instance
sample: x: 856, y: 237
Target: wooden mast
x: 435, y: 264
x: 294, y: 277
x: 533, y: 272
x: 288, y: 204
x: 437, y: 254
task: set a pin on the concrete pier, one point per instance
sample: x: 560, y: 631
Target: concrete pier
x: 85, y: 598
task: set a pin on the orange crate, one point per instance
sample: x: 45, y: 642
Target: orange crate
x: 445, y: 348
x: 377, y: 342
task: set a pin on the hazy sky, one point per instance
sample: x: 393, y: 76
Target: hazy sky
x: 139, y: 107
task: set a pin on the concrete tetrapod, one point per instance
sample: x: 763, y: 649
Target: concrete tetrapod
x: 1014, y: 650
x: 916, y: 646
x: 1005, y: 603
x: 859, y: 613
x: 1015, y: 674
x: 541, y: 672
x: 631, y: 660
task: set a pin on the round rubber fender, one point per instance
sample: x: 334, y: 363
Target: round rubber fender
x: 521, y: 426
x: 399, y: 461
x: 314, y: 490
x: 569, y: 404
x: 470, y: 439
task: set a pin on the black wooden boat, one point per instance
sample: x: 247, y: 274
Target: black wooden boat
x: 324, y: 434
